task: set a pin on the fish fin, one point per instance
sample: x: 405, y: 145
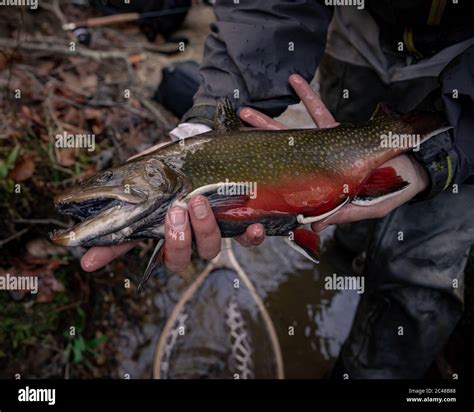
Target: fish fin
x: 221, y: 203
x: 155, y: 260
x: 203, y: 190
x: 305, y: 242
x: 382, y: 111
x: 220, y: 196
x: 302, y: 220
x: 225, y: 118
x: 381, y: 184
x: 378, y: 112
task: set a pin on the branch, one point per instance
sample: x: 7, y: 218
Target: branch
x: 12, y: 237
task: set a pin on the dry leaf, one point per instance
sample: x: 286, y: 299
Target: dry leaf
x: 71, y: 115
x: 45, y: 68
x: 70, y: 79
x: 89, y: 83
x: 136, y: 58
x: 93, y: 114
x: 66, y: 157
x: 24, y: 168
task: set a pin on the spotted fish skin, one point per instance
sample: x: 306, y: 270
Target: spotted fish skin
x: 269, y: 156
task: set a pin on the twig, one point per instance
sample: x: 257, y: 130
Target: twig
x: 36, y: 46
x: 63, y: 169
x: 12, y: 237
x: 55, y: 8
x: 111, y: 103
x: 76, y: 90
x: 68, y: 306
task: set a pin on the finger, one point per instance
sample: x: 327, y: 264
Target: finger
x: 253, y: 236
x: 177, y: 249
x: 317, y: 110
x: 352, y: 213
x: 149, y: 150
x: 206, y: 231
x: 320, y: 225
x: 260, y: 120
x: 99, y: 256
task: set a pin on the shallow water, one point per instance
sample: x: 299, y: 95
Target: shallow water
x: 311, y: 322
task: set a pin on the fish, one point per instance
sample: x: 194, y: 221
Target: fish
x: 283, y: 179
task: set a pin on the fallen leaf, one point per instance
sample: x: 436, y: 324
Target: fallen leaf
x: 136, y: 58
x: 71, y: 115
x: 93, y: 114
x: 24, y: 168
x: 45, y: 68
x: 89, y: 83
x: 66, y: 157
x: 70, y: 79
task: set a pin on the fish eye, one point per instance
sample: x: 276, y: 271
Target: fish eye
x: 106, y: 176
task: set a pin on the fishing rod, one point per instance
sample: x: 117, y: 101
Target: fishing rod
x: 81, y: 29
x: 121, y: 18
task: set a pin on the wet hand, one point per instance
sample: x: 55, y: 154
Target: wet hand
x: 199, y: 220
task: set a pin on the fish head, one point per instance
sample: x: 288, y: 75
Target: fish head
x: 119, y: 203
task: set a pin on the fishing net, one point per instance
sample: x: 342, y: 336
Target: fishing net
x: 217, y: 333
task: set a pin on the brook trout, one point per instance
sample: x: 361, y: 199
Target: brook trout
x: 281, y: 179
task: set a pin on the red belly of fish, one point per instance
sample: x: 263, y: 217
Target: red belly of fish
x: 311, y: 195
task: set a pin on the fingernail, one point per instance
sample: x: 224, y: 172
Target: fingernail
x: 200, y: 208
x: 245, y: 113
x: 89, y: 262
x: 258, y: 234
x: 177, y: 219
x: 296, y: 78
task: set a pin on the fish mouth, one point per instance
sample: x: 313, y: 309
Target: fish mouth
x: 93, y: 207
x: 85, y: 209
x: 78, y: 195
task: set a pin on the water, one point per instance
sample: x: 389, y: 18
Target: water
x: 311, y: 322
